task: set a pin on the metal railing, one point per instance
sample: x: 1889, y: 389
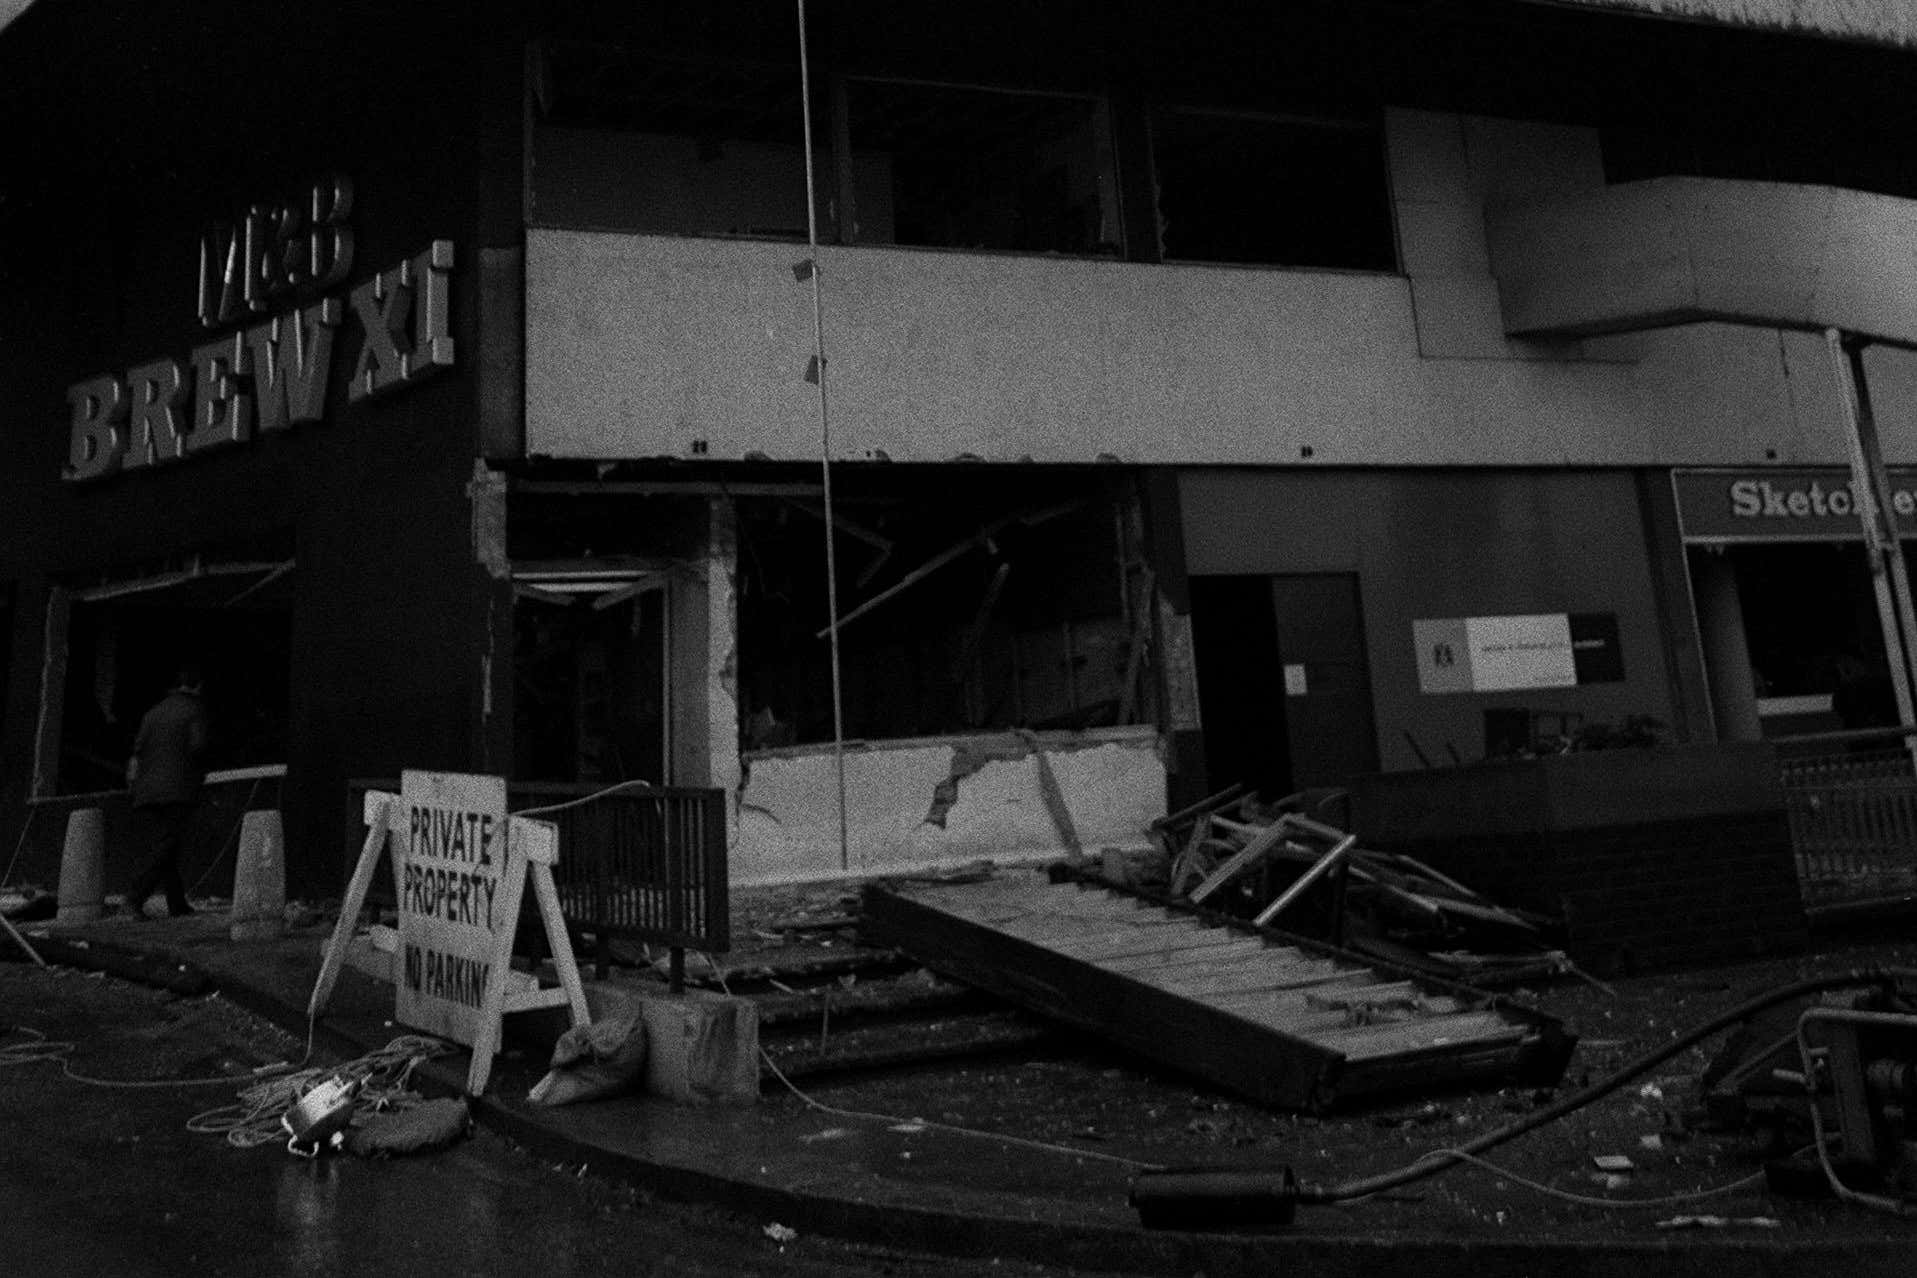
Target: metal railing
x: 1852, y: 802
x: 644, y: 864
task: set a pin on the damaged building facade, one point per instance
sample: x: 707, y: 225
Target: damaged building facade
x: 1264, y: 392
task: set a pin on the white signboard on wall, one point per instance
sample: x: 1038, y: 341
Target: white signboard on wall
x: 1494, y: 654
x: 450, y: 835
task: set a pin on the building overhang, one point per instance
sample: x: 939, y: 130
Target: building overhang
x: 1687, y: 250
x: 1884, y: 22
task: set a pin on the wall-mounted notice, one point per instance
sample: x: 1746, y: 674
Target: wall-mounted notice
x: 1498, y: 654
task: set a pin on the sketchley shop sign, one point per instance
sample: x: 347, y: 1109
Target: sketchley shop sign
x: 1784, y: 503
x: 263, y: 288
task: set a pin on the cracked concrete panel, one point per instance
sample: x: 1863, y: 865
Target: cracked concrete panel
x: 722, y: 639
x: 488, y: 493
x: 788, y: 810
x: 988, y: 790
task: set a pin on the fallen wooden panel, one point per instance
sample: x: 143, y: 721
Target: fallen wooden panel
x: 1280, y: 1019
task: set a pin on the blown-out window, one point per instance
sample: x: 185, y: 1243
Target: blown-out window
x: 950, y: 167
x: 1274, y: 190
x: 667, y: 144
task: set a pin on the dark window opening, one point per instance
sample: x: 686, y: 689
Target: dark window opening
x: 590, y: 701
x: 947, y: 167
x: 676, y: 145
x: 1272, y: 190
x: 973, y: 607
x: 1812, y: 632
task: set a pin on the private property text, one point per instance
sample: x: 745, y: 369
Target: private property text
x: 463, y: 891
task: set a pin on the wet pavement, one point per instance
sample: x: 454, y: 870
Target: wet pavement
x: 890, y: 1180
x: 107, y: 1176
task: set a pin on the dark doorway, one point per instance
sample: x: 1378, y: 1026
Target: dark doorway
x: 1284, y: 689
x: 1327, y: 680
x: 1241, y: 685
x: 589, y: 684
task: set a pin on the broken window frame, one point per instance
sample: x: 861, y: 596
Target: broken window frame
x: 1107, y: 236
x: 962, y: 667
x: 248, y: 576
x: 1387, y: 259
x: 769, y: 131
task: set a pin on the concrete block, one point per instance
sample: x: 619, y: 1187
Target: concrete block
x: 259, y: 879
x: 702, y: 1048
x: 82, y: 863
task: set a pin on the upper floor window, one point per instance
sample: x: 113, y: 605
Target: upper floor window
x: 949, y: 167
x: 673, y: 144
x: 1270, y: 189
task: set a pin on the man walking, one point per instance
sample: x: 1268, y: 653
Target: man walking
x: 164, y: 774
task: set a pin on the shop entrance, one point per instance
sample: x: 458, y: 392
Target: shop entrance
x: 1283, y: 684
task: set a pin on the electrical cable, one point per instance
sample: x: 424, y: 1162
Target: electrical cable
x: 584, y: 799
x: 27, y: 824
x: 380, y: 1081
x: 232, y: 839
x: 1589, y: 1200
x: 895, y: 1120
x: 1442, y: 1159
x: 381, y: 1078
x: 43, y: 1048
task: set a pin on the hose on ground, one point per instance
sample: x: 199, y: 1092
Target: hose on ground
x: 1442, y: 1159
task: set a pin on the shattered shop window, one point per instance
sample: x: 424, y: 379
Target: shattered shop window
x: 1272, y: 190
x: 958, y: 615
x: 668, y: 144
x: 940, y: 166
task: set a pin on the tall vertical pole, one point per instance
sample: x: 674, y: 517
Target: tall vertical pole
x: 825, y: 434
x: 1889, y: 578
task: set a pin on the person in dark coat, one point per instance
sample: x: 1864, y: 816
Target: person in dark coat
x: 164, y: 775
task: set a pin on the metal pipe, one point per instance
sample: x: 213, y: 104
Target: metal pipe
x: 825, y: 435
x: 1889, y: 581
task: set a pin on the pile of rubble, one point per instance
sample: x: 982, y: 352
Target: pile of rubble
x: 1277, y: 866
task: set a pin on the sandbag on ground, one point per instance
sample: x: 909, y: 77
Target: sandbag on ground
x: 590, y: 1062
x: 427, y: 1126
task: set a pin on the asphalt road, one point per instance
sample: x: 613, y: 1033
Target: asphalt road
x: 104, y: 1178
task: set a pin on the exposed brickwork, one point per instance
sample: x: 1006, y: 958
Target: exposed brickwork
x: 1644, y: 897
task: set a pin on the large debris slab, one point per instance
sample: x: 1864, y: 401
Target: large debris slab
x: 1276, y: 1018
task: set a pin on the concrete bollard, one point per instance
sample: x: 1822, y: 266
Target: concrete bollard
x: 259, y: 878
x: 83, y: 867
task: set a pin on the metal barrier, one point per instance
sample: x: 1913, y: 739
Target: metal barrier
x: 1852, y: 802
x: 645, y: 863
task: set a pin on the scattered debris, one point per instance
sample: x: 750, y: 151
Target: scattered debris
x: 1277, y: 866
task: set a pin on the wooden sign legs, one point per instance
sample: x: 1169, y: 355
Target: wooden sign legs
x: 531, y: 846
